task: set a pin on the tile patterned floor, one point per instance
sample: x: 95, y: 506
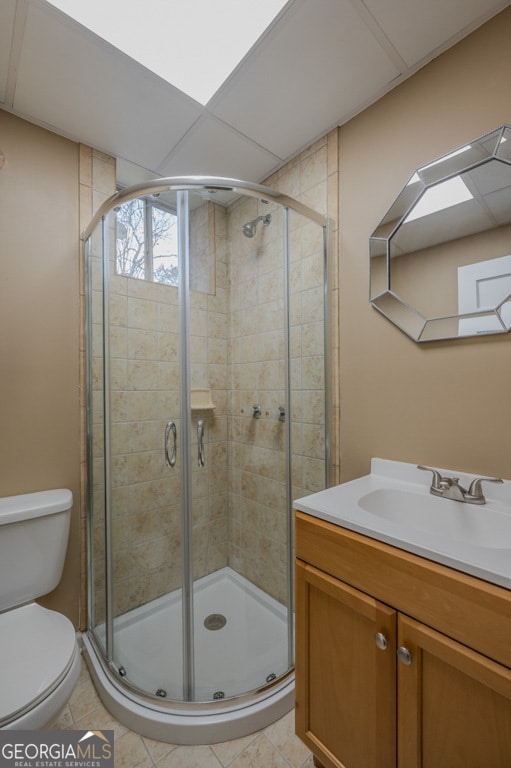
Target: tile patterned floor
x: 274, y: 747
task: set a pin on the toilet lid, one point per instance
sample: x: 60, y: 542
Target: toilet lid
x: 37, y: 647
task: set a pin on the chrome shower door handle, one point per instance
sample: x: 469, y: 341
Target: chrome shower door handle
x: 170, y: 461
x: 200, y: 443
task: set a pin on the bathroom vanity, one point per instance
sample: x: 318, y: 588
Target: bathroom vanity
x: 401, y: 660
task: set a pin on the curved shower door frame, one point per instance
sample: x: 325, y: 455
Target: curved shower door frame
x: 205, y: 183
x: 182, y: 186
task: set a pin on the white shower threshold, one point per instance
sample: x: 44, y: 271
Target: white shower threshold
x: 233, y: 660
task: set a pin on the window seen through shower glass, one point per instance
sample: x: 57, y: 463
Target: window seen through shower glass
x: 147, y: 241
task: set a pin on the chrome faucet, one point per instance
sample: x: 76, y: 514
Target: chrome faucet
x: 450, y: 488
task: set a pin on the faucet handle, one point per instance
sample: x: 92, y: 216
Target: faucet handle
x: 475, y: 492
x: 438, y: 481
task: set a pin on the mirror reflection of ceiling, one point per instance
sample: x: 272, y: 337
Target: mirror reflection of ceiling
x: 486, y: 204
x: 440, y: 262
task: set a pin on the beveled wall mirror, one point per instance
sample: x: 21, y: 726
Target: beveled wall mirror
x: 440, y: 259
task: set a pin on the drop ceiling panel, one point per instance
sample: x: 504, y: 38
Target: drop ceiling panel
x: 417, y: 28
x: 88, y: 90
x: 7, y: 11
x: 212, y: 148
x: 320, y: 64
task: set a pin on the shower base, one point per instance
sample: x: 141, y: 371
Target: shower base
x: 244, y: 648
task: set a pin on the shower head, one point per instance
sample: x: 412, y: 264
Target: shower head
x: 249, y: 229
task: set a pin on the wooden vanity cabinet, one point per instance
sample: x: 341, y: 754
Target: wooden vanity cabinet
x: 345, y: 685
x: 399, y: 661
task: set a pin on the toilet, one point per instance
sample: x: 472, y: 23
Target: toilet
x: 39, y: 654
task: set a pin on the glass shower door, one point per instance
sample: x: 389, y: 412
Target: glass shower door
x: 206, y: 416
x: 142, y: 396
x: 239, y: 512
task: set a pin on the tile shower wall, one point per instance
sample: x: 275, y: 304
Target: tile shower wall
x: 312, y: 178
x: 97, y: 183
x: 236, y: 349
x: 258, y: 535
x: 208, y: 369
x: 145, y: 394
x: 257, y: 500
x: 146, y: 525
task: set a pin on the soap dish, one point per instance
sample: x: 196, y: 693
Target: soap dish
x: 200, y: 399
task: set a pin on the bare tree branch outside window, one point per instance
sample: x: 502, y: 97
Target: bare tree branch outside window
x: 146, y: 242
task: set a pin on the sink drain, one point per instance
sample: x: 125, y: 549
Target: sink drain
x: 215, y: 621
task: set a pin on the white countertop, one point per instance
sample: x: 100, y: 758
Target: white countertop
x: 465, y: 542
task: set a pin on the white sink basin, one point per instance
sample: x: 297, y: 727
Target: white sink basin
x: 478, y: 526
x: 393, y: 505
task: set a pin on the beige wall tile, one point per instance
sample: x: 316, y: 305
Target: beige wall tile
x: 237, y: 342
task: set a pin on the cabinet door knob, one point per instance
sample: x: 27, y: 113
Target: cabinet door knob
x: 404, y: 655
x: 381, y: 641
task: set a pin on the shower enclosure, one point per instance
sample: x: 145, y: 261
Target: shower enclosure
x: 206, y: 417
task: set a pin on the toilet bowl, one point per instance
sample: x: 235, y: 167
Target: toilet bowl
x: 39, y: 654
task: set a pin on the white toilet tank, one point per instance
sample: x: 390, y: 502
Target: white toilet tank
x: 34, y: 531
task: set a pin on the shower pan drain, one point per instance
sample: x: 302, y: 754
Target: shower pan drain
x: 219, y: 695
x: 215, y: 621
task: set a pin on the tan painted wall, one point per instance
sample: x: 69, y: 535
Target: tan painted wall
x: 442, y: 403
x: 39, y: 326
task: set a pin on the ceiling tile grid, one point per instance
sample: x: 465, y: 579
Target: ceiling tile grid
x: 417, y: 28
x: 86, y: 89
x: 213, y: 148
x: 316, y: 66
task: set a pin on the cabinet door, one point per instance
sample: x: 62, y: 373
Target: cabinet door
x: 345, y: 683
x: 454, y: 705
